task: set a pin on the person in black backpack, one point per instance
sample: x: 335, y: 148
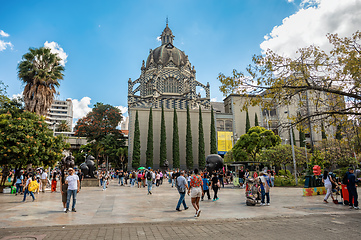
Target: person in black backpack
x: 149, y: 177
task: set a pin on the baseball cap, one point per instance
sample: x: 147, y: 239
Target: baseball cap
x: 148, y: 168
x: 70, y: 169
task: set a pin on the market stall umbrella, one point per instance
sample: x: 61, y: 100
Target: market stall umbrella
x: 141, y: 168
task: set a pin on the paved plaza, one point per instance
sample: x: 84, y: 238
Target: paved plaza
x: 129, y: 213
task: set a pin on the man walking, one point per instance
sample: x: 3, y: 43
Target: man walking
x: 73, y: 188
x: 182, y: 186
x: 352, y: 191
x: 121, y: 178
x: 149, y: 177
x: 44, y: 180
x: 196, y: 189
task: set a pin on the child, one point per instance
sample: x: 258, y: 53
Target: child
x: 205, y: 187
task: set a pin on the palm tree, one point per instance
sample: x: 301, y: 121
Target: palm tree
x: 40, y: 71
x: 122, y: 154
x: 63, y: 127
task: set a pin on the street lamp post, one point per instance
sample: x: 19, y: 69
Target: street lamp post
x: 293, y: 148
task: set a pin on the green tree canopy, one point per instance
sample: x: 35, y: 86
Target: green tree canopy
x: 282, y: 155
x: 213, y: 135
x: 149, y: 152
x: 163, y: 140
x: 101, y: 121
x: 189, y: 149
x: 136, y: 143
x: 201, y: 152
x: 175, y: 141
x: 26, y: 139
x: 40, y: 71
x: 251, y: 143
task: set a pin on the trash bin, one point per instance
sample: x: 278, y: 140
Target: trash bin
x: 345, y: 194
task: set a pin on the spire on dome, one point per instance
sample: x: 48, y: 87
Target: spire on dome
x: 167, y: 35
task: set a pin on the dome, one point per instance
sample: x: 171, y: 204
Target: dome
x: 166, y: 53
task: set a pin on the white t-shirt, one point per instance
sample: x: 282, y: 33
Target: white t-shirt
x: 44, y: 175
x: 72, y: 182
x: 327, y: 181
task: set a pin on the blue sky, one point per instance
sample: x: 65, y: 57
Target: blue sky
x: 104, y: 42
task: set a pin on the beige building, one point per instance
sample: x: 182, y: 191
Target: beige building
x: 274, y: 119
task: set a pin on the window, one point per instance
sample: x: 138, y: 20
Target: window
x: 220, y: 125
x: 228, y: 125
x: 148, y: 88
x: 170, y: 85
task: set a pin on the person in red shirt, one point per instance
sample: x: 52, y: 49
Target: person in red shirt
x: 196, y: 190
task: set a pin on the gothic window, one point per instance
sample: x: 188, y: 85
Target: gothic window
x: 171, y: 85
x: 148, y: 88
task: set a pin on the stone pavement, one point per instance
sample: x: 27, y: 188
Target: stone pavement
x: 129, y: 213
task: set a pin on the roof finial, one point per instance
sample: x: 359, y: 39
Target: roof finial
x: 166, y: 21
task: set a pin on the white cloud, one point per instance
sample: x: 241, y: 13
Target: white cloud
x: 158, y: 39
x: 214, y: 99
x: 310, y: 24
x: 122, y: 109
x: 4, y: 45
x: 16, y: 96
x: 290, y: 1
x: 81, y: 108
x: 56, y: 49
x: 4, y: 34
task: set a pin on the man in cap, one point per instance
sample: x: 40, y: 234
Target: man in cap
x: 352, y: 191
x: 73, y: 188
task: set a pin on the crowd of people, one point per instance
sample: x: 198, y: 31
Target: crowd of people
x: 199, y: 185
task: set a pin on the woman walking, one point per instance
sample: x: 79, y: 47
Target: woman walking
x: 196, y: 190
x: 215, y: 185
x: 327, y: 180
x: 53, y: 182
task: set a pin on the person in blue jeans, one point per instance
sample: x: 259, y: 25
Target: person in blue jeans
x: 265, y: 187
x: 205, y: 187
x: 73, y: 188
x: 352, y: 191
x: 182, y: 186
x: 19, y: 183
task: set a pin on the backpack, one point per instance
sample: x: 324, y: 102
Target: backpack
x: 345, y: 179
x: 149, y: 176
x: 33, y: 185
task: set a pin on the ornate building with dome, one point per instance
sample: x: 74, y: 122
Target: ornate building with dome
x: 168, y: 79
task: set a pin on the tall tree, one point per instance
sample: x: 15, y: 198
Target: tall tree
x: 213, y: 135
x: 256, y: 120
x: 302, y: 138
x: 281, y: 80
x: 201, y: 152
x: 26, y: 139
x: 122, y: 153
x: 163, y: 140
x: 248, y: 124
x: 40, y: 71
x: 101, y: 121
x: 175, y: 141
x: 189, y: 150
x: 149, y: 152
x: 251, y: 143
x: 136, y: 143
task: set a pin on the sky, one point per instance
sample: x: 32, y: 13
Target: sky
x: 102, y: 43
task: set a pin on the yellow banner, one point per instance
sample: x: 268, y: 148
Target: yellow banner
x: 224, y: 141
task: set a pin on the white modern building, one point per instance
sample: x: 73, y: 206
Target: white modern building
x: 60, y: 111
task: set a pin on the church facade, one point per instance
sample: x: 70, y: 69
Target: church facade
x: 167, y: 79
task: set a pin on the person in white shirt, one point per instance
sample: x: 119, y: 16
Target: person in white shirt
x: 44, y: 180
x: 73, y: 188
